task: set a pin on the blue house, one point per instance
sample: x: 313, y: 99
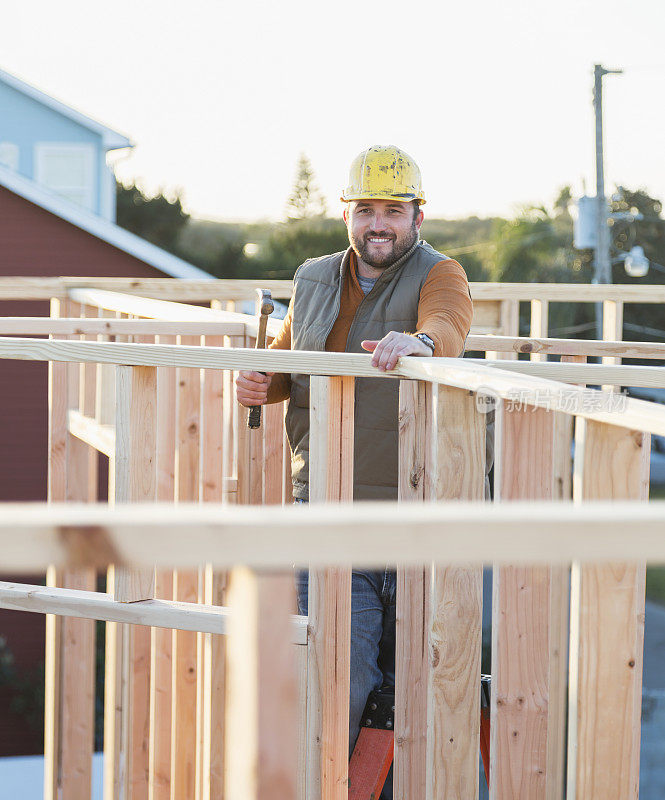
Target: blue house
x: 57, y: 147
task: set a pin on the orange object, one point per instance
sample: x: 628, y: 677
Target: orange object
x: 485, y: 741
x: 370, y: 763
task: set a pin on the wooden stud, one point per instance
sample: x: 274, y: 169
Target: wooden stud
x: 87, y: 404
x: 539, y: 325
x: 607, y: 628
x: 262, y: 691
x: 115, y: 759
x: 456, y: 611
x: 135, y: 481
x: 526, y: 657
x: 70, y: 645
x: 135, y: 461
x: 212, y: 440
x: 331, y: 480
x: 287, y: 479
x: 186, y: 588
x: 161, y: 667
x: 56, y: 492
x: 508, y: 326
x: 273, y: 449
x: 212, y: 683
x: 413, y: 600
x: 612, y: 331
x: 563, y: 445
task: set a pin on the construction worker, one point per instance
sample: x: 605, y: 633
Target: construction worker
x: 393, y: 295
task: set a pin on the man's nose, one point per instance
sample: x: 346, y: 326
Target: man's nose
x: 378, y: 221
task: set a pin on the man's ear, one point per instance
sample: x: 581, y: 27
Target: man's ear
x: 345, y: 214
x: 419, y: 219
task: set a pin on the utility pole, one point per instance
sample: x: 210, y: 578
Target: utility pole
x: 602, y: 272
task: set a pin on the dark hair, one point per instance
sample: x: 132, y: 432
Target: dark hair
x: 416, y: 208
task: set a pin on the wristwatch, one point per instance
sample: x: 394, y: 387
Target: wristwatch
x: 424, y: 338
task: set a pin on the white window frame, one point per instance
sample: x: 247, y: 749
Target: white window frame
x: 44, y: 149
x: 9, y: 154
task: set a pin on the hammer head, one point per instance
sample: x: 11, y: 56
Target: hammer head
x: 264, y: 303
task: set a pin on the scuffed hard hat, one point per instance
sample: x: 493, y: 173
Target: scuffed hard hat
x: 384, y: 173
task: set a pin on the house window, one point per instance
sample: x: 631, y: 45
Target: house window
x: 9, y: 155
x: 68, y: 170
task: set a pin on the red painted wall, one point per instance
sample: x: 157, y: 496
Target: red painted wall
x: 37, y: 243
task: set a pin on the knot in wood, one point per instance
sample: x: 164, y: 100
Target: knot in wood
x: 415, y: 477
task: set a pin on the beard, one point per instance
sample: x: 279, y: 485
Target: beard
x: 401, y: 244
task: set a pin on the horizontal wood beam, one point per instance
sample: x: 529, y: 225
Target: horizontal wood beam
x: 93, y: 433
x: 42, y: 326
x: 481, y: 378
x: 22, y: 288
x: 98, y: 605
x: 567, y: 292
x: 573, y: 347
x: 102, y: 438
x: 368, y: 534
x: 165, y: 309
x: 594, y: 374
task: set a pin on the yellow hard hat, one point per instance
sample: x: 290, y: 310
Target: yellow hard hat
x: 384, y: 173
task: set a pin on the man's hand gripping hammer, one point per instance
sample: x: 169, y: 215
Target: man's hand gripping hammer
x: 264, y: 308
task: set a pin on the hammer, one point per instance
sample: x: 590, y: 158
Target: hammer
x: 264, y: 308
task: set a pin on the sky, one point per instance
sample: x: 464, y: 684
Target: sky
x: 493, y: 100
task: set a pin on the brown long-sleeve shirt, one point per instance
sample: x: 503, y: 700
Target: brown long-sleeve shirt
x: 445, y: 312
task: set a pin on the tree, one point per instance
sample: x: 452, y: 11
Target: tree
x: 157, y: 219
x: 293, y: 242
x: 641, y: 322
x: 537, y: 248
x: 563, y: 201
x: 305, y: 201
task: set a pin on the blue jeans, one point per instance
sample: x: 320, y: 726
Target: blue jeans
x: 372, y: 642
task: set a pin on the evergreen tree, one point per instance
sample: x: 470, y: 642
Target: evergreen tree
x: 157, y: 219
x: 305, y: 201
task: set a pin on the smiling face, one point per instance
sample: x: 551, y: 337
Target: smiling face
x: 382, y: 231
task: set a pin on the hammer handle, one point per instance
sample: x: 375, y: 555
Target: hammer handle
x: 254, y: 416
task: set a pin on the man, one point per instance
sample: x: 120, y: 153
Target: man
x: 393, y: 295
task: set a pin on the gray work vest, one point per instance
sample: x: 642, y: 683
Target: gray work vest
x: 391, y: 305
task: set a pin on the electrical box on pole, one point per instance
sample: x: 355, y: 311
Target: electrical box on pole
x: 585, y: 233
